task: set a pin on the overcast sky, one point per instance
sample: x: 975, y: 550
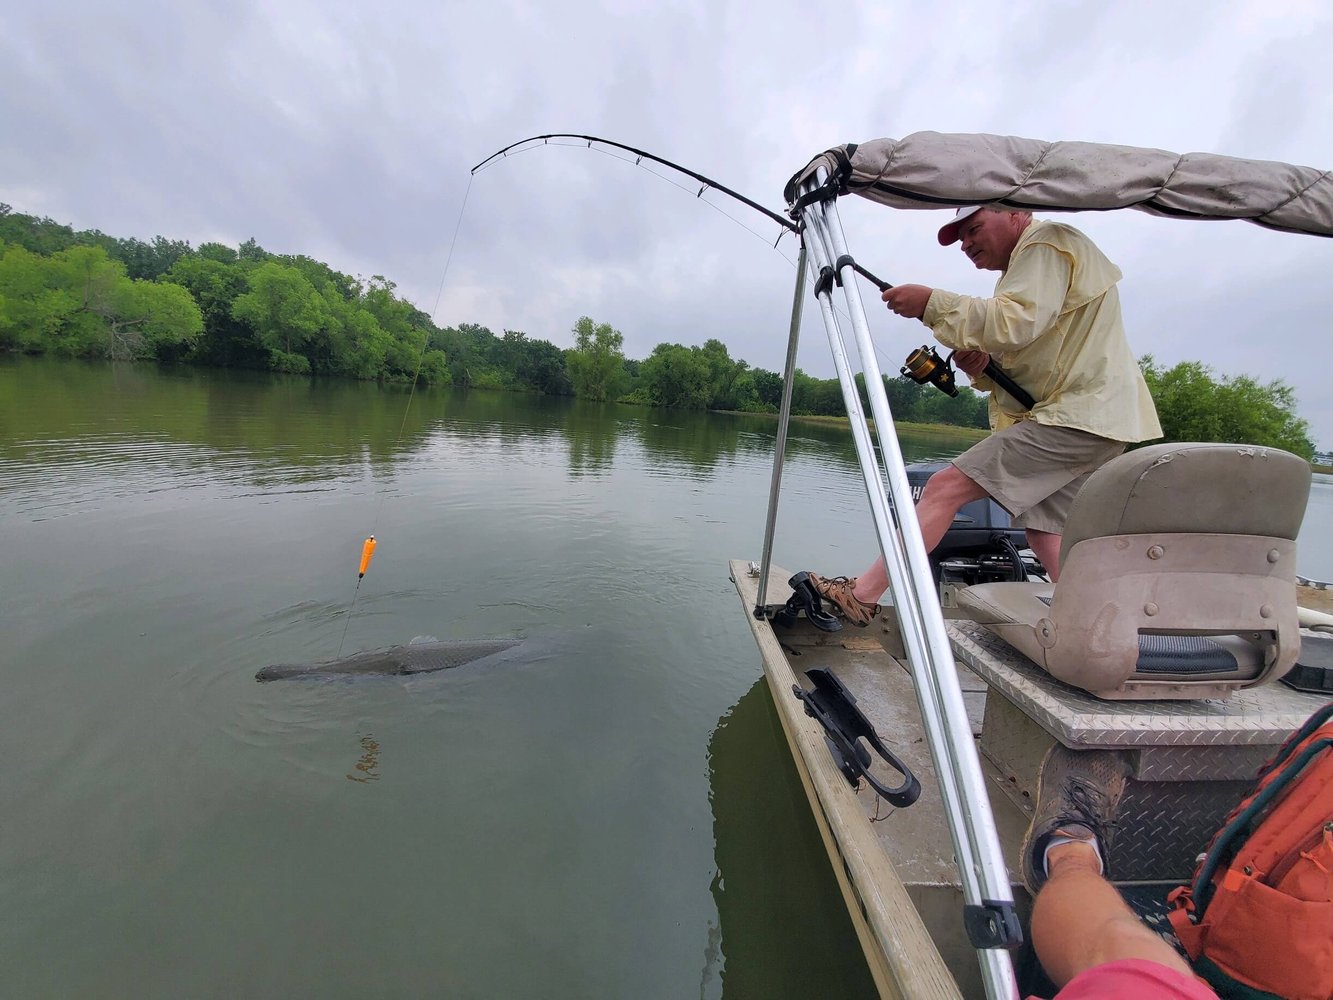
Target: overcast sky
x: 346, y: 131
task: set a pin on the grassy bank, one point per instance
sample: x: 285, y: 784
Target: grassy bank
x: 922, y: 430
x: 916, y: 430
x: 942, y: 430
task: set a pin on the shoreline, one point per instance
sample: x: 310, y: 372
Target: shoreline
x: 941, y: 430
x: 1315, y: 599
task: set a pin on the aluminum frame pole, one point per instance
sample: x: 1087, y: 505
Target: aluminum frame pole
x: 988, y: 895
x: 784, y: 421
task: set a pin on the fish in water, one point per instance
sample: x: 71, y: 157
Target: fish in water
x: 396, y: 661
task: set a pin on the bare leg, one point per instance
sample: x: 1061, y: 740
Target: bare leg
x: 945, y: 493
x: 1079, y: 920
x: 1047, y: 548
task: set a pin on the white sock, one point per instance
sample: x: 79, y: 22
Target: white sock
x: 1060, y: 841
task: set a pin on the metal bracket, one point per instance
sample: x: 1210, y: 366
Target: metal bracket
x: 834, y: 708
x: 993, y: 925
x: 805, y: 598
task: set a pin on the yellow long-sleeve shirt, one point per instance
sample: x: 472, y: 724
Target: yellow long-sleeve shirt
x: 1054, y: 326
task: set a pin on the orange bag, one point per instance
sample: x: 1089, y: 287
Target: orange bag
x: 1257, y: 921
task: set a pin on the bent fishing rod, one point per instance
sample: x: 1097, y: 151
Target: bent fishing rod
x: 641, y: 155
x: 923, y: 365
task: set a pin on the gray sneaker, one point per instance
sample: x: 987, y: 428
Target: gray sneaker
x: 1076, y: 798
x: 837, y: 591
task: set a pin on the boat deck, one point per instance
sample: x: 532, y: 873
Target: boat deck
x: 896, y: 867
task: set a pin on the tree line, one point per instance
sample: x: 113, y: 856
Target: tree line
x: 87, y: 294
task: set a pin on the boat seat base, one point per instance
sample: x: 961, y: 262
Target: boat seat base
x: 1190, y: 761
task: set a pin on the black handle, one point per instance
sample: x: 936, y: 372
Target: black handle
x: 998, y: 376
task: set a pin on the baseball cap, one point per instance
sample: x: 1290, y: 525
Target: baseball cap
x: 949, y: 232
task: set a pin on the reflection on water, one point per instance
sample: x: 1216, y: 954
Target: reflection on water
x: 368, y: 764
x: 119, y: 430
x: 764, y: 883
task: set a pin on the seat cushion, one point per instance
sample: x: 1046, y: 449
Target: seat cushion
x: 1006, y: 603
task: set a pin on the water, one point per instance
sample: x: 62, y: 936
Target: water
x: 612, y: 814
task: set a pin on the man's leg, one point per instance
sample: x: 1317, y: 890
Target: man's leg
x: 1046, y: 546
x: 945, y: 494
x: 1080, y: 921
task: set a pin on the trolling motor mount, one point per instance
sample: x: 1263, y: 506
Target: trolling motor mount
x: 804, y: 598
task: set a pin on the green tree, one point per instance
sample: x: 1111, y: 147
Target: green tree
x: 1194, y: 406
x: 285, y: 311
x: 816, y: 397
x: 145, y: 260
x: 33, y: 307
x: 214, y: 281
x: 219, y: 252
x: 80, y: 303
x: 596, y: 361
x: 968, y: 409
x: 677, y: 376
x: 39, y: 236
x: 250, y: 250
x: 152, y: 319
x: 536, y: 365
x: 768, y: 389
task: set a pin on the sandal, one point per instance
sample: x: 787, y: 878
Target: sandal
x: 838, y: 592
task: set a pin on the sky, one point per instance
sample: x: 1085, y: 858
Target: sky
x: 348, y: 132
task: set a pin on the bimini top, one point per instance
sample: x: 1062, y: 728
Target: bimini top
x: 938, y: 170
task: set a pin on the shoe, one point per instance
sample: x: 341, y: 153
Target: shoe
x: 1077, y: 799
x: 838, y: 592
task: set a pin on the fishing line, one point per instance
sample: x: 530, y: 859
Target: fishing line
x: 637, y: 161
x: 368, y: 547
x: 596, y: 145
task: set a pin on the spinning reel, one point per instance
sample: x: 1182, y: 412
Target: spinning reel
x: 925, y: 365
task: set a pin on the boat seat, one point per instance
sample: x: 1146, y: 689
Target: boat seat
x: 1177, y: 576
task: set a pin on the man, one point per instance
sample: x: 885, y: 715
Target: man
x: 1054, y: 326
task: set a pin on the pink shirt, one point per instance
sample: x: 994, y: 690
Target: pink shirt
x: 1135, y: 978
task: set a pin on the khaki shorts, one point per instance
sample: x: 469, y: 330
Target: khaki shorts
x: 1034, y: 470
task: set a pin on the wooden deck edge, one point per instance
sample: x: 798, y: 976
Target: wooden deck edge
x: 903, y: 959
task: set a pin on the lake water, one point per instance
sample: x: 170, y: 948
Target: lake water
x: 610, y: 814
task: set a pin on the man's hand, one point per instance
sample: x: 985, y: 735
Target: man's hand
x: 971, y: 362
x: 908, y: 300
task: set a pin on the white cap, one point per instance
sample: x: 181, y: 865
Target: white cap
x: 949, y: 232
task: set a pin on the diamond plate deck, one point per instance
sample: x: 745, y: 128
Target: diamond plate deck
x: 1162, y: 827
x: 1264, y: 716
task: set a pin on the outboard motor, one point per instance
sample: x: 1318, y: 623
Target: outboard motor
x: 981, y: 546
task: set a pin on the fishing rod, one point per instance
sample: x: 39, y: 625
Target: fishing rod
x: 923, y: 365
x: 707, y: 182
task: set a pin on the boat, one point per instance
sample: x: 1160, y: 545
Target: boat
x: 920, y: 740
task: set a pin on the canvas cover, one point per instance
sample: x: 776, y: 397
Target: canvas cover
x: 938, y: 170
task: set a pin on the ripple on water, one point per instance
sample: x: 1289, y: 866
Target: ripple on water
x: 99, y: 470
